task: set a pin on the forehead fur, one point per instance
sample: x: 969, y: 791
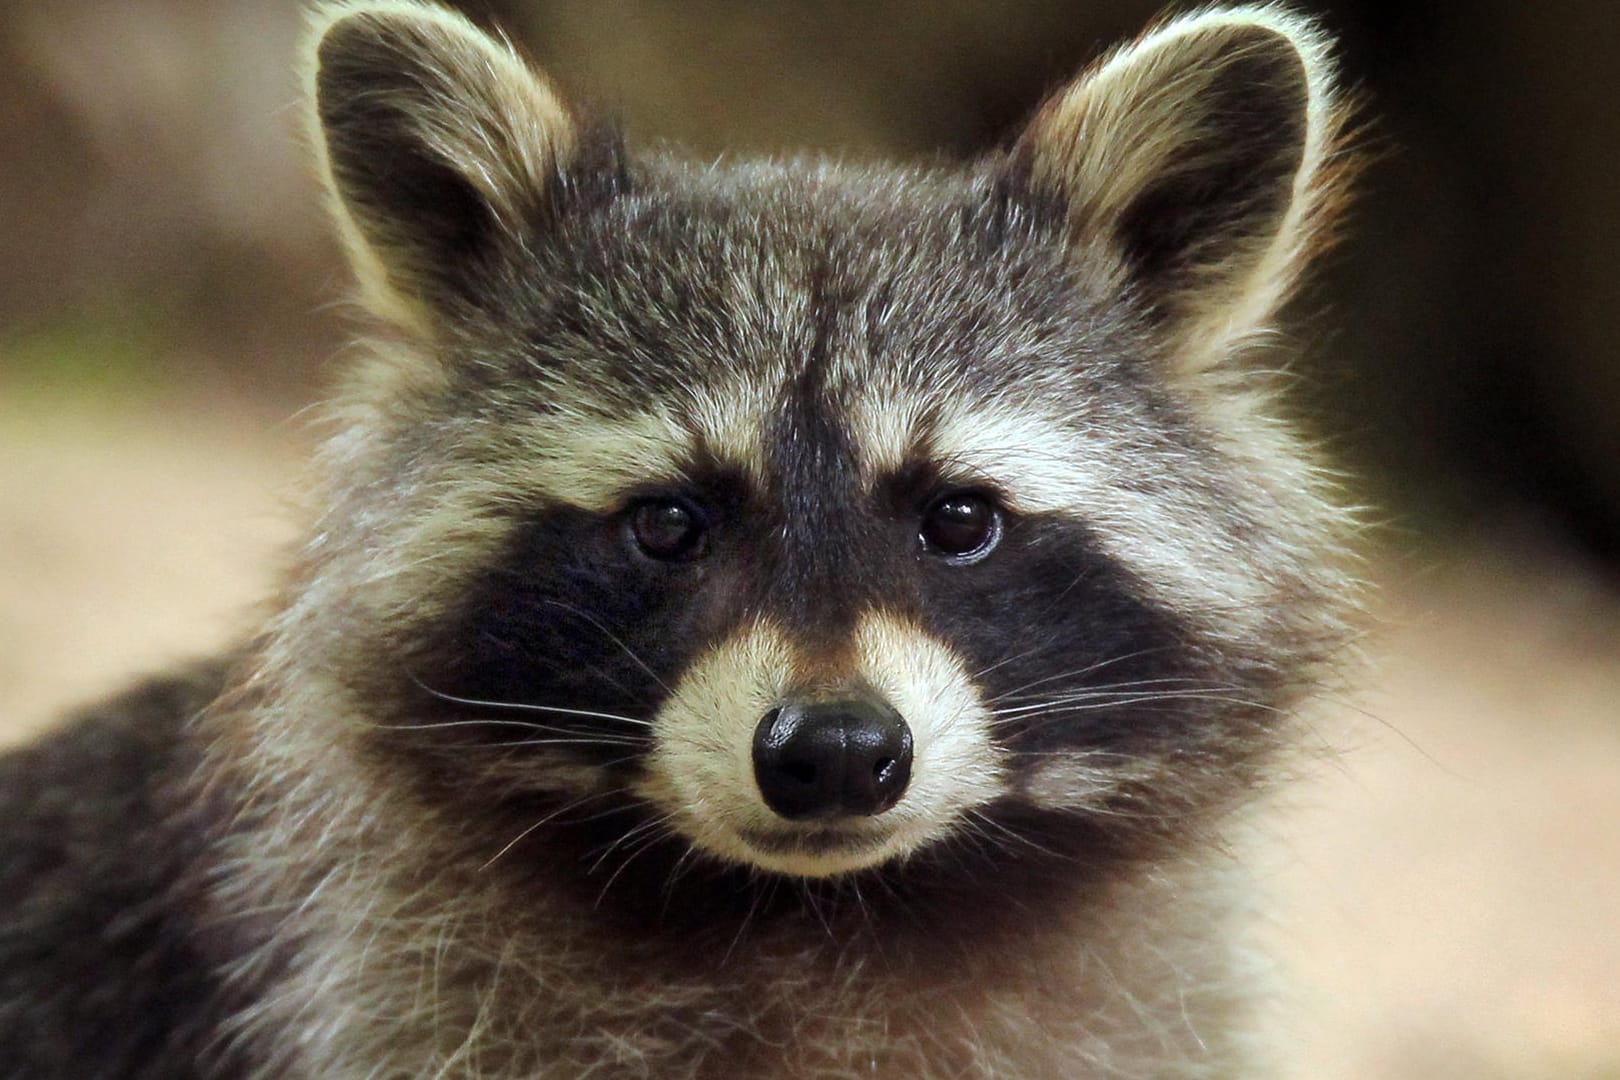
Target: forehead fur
x: 689, y: 307
x: 766, y: 269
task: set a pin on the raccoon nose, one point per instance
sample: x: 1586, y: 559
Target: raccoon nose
x: 832, y: 758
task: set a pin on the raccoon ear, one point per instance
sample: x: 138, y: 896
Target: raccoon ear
x: 441, y: 147
x: 1203, y: 157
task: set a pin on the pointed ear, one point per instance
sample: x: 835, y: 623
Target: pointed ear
x: 1204, y: 158
x: 441, y: 147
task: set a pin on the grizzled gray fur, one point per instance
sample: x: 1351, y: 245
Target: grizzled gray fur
x: 767, y: 620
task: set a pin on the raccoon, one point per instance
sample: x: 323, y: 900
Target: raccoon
x: 765, y: 619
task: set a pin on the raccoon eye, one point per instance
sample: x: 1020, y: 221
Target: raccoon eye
x: 963, y: 526
x: 668, y: 530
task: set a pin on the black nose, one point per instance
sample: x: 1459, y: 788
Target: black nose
x: 832, y: 758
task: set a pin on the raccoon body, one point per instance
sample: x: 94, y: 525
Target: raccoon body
x: 771, y: 620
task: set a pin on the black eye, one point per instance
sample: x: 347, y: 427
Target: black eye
x: 668, y: 530
x: 962, y: 525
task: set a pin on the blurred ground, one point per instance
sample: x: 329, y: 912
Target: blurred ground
x: 130, y: 538
x: 1450, y: 893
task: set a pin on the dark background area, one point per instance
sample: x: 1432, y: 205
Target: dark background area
x: 161, y: 227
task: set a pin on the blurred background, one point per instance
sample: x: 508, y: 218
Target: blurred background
x: 1448, y: 890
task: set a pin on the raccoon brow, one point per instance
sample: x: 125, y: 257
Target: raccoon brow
x: 706, y: 481
x: 920, y: 479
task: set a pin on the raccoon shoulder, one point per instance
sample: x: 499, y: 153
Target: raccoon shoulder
x: 102, y: 973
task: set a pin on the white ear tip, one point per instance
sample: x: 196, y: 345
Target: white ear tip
x: 438, y: 143
x: 1198, y: 153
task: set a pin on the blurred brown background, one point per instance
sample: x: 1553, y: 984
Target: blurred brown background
x: 1449, y: 893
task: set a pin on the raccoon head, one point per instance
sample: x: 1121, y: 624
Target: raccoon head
x: 815, y: 517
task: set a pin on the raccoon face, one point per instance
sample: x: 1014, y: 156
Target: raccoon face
x: 813, y: 516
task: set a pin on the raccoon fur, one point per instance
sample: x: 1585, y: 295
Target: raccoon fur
x: 765, y: 619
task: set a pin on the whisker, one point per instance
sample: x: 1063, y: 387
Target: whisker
x: 1090, y: 669
x: 572, y: 805
x: 1119, y: 696
x: 519, y: 706
x: 983, y: 823
x: 1005, y: 660
x: 584, y: 740
x: 644, y: 828
x: 761, y: 895
x: 1183, y: 681
x: 1092, y: 702
x: 650, y: 833
x: 684, y: 864
x: 544, y: 729
x: 628, y: 651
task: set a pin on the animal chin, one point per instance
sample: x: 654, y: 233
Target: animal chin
x: 820, y: 851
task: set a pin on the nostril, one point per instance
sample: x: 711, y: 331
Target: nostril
x: 882, y: 770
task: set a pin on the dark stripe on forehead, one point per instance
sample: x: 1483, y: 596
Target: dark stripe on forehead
x: 832, y: 551
x: 810, y: 484
x: 810, y: 455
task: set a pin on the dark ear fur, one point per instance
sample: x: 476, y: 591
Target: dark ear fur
x: 441, y: 147
x: 1202, y: 157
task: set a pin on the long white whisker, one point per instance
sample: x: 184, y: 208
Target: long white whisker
x: 628, y: 651
x: 1107, y: 699
x: 982, y: 824
x: 1078, y: 673
x: 522, y: 725
x: 1051, y: 713
x: 1009, y: 659
x: 519, y: 706
x: 579, y: 740
x: 571, y: 805
x: 649, y: 832
x: 1169, y: 684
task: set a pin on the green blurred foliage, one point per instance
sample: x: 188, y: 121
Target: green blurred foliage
x: 103, y: 356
